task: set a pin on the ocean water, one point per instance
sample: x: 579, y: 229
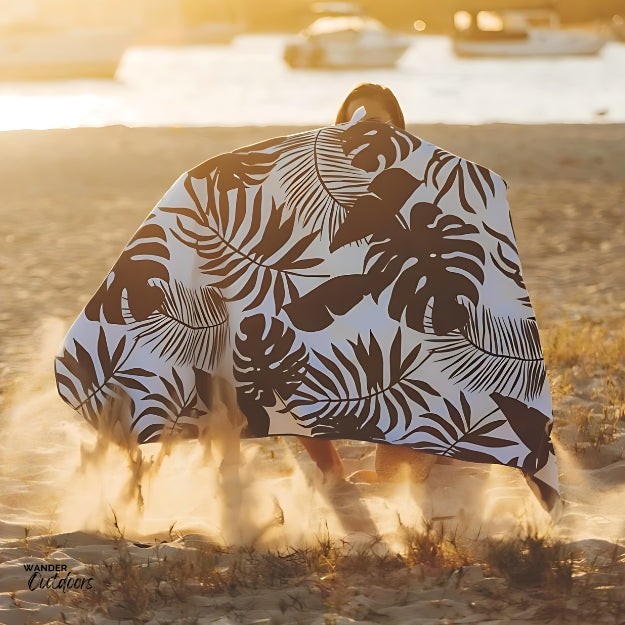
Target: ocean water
x: 247, y: 82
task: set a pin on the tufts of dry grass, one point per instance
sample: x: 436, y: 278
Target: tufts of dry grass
x: 594, y: 345
x: 586, y: 367
x: 435, y: 547
x: 331, y: 573
x: 532, y: 560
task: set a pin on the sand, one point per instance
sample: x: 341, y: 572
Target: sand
x: 169, y: 551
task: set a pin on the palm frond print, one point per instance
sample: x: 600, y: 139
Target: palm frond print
x: 508, y: 265
x: 361, y: 393
x: 450, y: 435
x: 324, y: 172
x: 174, y: 412
x: 88, y: 382
x: 190, y: 327
x: 249, y: 251
x: 493, y: 353
x: 473, y: 181
x: 319, y: 181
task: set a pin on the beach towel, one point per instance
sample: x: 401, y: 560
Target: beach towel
x: 349, y: 282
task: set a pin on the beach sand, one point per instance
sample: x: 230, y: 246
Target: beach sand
x: 158, y: 534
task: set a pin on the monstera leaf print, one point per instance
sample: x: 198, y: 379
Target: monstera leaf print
x: 369, y: 393
x: 531, y: 426
x: 445, y: 170
x: 247, y: 255
x: 88, y: 382
x: 176, y: 410
x: 377, y: 210
x: 373, y: 145
x: 143, y: 261
x: 449, y: 435
x: 317, y: 309
x: 492, y: 353
x: 267, y: 362
x: 190, y: 327
x: 430, y: 260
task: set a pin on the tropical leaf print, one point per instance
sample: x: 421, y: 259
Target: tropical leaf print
x: 317, y: 309
x: 368, y: 394
x: 89, y: 381
x: 267, y: 362
x: 190, y: 327
x: 174, y: 412
x: 319, y: 180
x: 531, y: 426
x: 233, y: 171
x: 143, y: 261
x: 509, y: 264
x: 372, y: 145
x: 444, y: 170
x: 431, y: 260
x: 449, y: 435
x: 374, y: 290
x: 492, y: 353
x: 249, y: 254
x: 379, y: 209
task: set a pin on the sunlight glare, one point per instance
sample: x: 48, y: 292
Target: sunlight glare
x: 44, y: 112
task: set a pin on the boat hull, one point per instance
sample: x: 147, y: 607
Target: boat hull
x: 343, y: 58
x: 539, y: 43
x: 61, y: 55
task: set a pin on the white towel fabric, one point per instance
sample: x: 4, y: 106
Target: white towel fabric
x: 349, y: 282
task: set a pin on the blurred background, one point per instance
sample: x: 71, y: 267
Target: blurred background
x: 72, y: 63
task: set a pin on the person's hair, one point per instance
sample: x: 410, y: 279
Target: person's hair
x: 373, y: 91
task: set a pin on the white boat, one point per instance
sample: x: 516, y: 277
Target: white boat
x: 38, y: 52
x: 513, y: 33
x: 347, y: 40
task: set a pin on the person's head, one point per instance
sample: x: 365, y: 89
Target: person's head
x: 379, y: 102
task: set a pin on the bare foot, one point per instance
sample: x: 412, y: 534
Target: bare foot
x: 363, y: 475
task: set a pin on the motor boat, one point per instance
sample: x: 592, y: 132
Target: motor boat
x: 345, y: 39
x: 513, y: 33
x: 40, y: 52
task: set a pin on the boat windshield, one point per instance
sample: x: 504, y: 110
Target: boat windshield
x: 509, y: 21
x: 325, y: 25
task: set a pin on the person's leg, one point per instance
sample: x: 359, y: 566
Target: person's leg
x: 323, y: 452
x: 395, y: 462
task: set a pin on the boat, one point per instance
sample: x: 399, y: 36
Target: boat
x: 520, y: 32
x: 345, y: 38
x: 35, y: 51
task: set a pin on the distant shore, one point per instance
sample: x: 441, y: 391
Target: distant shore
x: 70, y: 199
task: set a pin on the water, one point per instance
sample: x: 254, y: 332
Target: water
x: 248, y: 83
